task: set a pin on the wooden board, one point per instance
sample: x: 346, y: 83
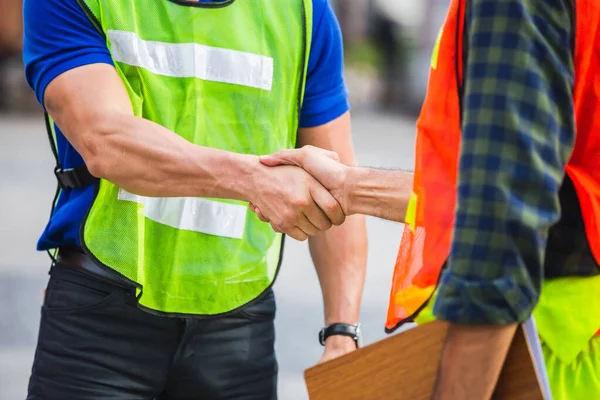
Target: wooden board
x: 404, y: 367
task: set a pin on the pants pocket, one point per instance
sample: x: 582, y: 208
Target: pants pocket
x: 65, y: 295
x: 262, y: 309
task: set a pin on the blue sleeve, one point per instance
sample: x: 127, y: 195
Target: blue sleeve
x: 58, y: 36
x: 325, y: 96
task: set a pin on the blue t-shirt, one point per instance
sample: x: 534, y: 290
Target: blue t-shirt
x: 59, y: 37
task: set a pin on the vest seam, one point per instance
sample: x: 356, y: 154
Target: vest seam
x: 88, y: 12
x: 412, y: 316
x: 201, y: 4
x: 54, y: 148
x: 302, y: 85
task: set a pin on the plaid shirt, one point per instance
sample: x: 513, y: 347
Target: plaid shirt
x: 518, y: 132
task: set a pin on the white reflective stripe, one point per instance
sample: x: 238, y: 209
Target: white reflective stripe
x: 193, y: 214
x: 190, y: 60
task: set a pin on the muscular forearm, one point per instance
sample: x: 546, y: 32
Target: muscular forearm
x: 380, y: 193
x: 472, y: 359
x: 147, y: 159
x: 340, y: 258
x: 94, y: 112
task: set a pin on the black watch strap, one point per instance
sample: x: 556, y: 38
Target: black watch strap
x: 341, y: 329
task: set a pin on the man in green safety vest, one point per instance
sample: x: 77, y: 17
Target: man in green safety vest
x: 160, y: 285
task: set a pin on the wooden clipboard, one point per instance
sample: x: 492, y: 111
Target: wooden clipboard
x: 404, y: 367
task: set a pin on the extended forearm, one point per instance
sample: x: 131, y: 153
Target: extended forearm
x: 340, y: 258
x: 147, y: 159
x: 379, y: 193
x: 94, y: 112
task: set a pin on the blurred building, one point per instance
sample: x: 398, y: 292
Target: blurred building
x: 15, y: 95
x: 11, y: 28
x: 395, y: 38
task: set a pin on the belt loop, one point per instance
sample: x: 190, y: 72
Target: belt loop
x: 131, y: 298
x: 52, y: 266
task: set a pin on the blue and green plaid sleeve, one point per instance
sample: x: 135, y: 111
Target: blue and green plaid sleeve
x: 518, y: 132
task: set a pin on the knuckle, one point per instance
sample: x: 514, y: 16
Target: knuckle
x: 286, y: 226
x: 332, y: 207
x: 276, y: 228
x: 338, y: 220
x: 311, y: 230
x: 327, y: 224
x: 305, y: 151
x: 289, y: 217
x: 301, y: 237
x: 303, y: 202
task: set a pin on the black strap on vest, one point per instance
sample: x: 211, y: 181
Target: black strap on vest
x: 73, y: 178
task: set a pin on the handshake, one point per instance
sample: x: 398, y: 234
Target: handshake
x: 301, y: 192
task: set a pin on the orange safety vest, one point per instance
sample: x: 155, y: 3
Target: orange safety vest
x: 426, y: 240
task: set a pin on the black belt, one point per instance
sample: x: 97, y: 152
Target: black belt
x: 77, y: 260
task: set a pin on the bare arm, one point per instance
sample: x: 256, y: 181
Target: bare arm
x: 340, y: 254
x: 379, y: 193
x: 470, y: 350
x: 92, y: 108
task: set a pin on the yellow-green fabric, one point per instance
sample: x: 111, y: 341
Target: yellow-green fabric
x: 181, y: 271
x: 568, y: 315
x: 567, y: 318
x: 578, y: 379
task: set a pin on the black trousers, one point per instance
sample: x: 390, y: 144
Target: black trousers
x: 93, y: 344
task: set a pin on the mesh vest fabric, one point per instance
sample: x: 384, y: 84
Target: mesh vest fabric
x: 230, y: 78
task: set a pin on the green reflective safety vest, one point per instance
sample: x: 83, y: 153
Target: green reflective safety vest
x: 230, y: 77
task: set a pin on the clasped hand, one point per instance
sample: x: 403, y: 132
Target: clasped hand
x: 301, y: 191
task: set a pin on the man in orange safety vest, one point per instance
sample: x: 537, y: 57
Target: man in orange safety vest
x: 503, y: 219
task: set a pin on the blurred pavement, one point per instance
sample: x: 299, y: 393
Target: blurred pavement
x: 27, y: 188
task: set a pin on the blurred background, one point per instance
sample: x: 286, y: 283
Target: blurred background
x: 387, y: 47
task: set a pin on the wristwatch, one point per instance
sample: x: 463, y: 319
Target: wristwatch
x: 341, y: 329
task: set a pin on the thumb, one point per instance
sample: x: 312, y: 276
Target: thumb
x: 281, y: 157
x: 329, y: 154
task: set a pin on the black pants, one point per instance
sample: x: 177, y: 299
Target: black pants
x: 94, y: 345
